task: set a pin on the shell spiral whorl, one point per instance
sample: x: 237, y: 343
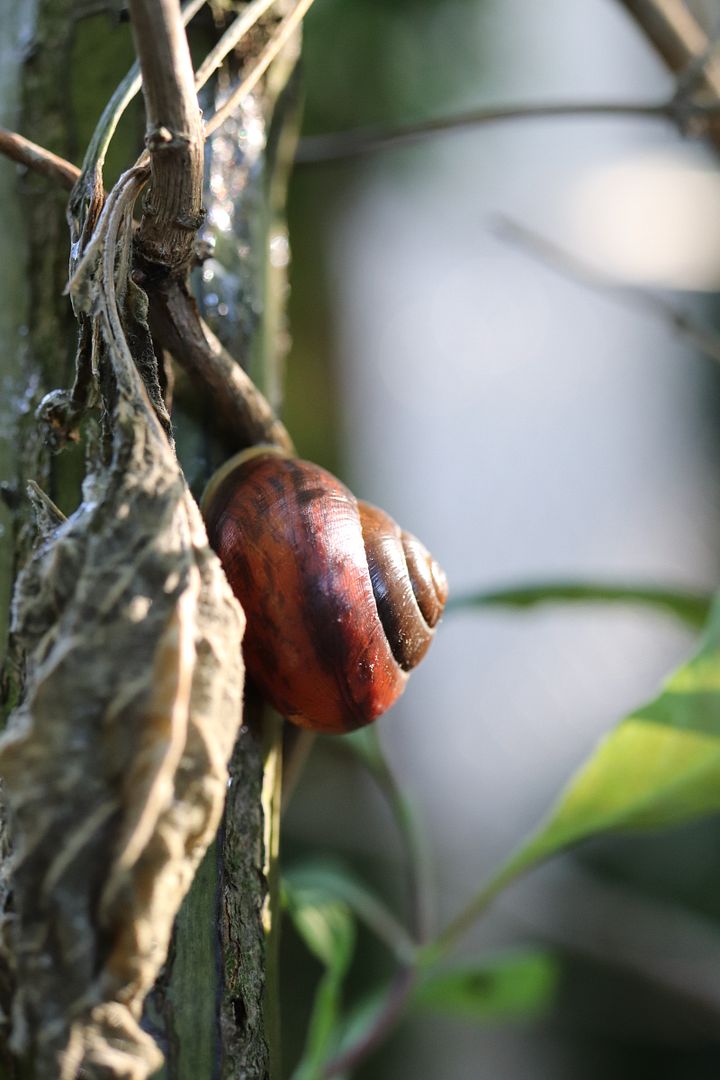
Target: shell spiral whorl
x: 341, y: 603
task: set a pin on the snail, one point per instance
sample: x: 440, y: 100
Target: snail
x: 341, y: 603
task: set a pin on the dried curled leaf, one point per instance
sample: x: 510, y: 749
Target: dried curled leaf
x: 115, y: 764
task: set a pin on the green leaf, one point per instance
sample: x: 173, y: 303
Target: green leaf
x: 515, y: 986
x: 659, y: 767
x: 327, y: 927
x: 692, y: 607
x: 335, y: 881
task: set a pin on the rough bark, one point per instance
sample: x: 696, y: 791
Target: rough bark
x: 114, y: 758
x: 241, y: 890
x: 172, y: 208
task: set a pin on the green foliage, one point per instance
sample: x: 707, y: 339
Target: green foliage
x: 325, y: 924
x: 659, y: 767
x: 332, y: 881
x: 327, y: 927
x: 516, y: 986
x: 691, y: 607
x: 414, y: 69
x: 361, y: 1018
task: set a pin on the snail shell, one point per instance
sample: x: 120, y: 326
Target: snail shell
x: 341, y: 603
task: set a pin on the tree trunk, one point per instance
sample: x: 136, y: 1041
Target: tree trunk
x: 59, y: 66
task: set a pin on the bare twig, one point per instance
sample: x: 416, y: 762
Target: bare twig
x: 116, y: 106
x: 677, y: 35
x: 88, y: 194
x: 242, y: 413
x: 38, y: 158
x: 670, y: 26
x: 173, y: 208
x: 277, y: 42
x: 693, y: 74
x: 704, y: 338
x: 685, y: 115
x: 314, y: 149
x: 682, y: 43
x: 232, y: 37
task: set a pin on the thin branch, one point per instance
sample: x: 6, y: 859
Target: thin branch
x: 416, y: 852
x: 232, y: 37
x: 367, y: 747
x: 703, y: 338
x: 685, y: 115
x: 88, y: 194
x: 118, y: 103
x: 242, y: 414
x: 130, y: 85
x: 690, y: 606
x: 277, y: 42
x: 682, y: 43
x: 668, y: 24
x: 693, y: 75
x: 677, y: 35
x: 386, y: 1019
x: 38, y: 158
x: 172, y: 212
x: 314, y: 149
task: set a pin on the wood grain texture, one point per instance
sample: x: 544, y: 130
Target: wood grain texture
x: 172, y: 211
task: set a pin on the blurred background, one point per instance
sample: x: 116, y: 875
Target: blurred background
x: 527, y: 428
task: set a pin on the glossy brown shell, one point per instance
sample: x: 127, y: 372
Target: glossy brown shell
x: 324, y: 651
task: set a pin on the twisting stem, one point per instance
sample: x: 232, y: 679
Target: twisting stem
x: 173, y: 207
x: 368, y: 748
x: 121, y: 98
x: 275, y: 45
x: 232, y: 37
x: 385, y: 1021
x: 242, y: 414
x: 416, y: 850
x: 88, y: 194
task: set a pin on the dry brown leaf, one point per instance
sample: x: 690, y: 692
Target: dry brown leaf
x: 114, y: 766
